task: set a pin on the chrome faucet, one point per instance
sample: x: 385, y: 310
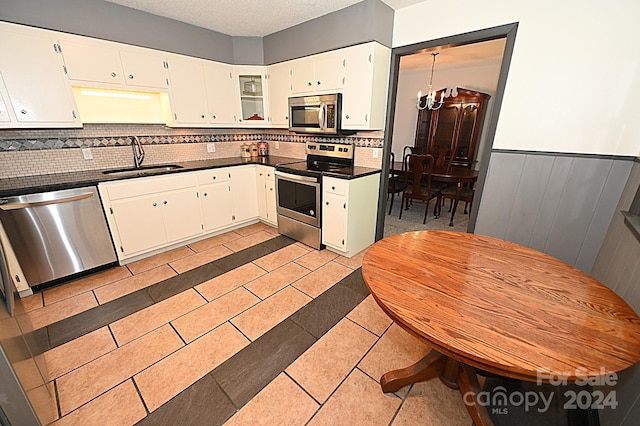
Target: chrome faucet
x: 138, y: 151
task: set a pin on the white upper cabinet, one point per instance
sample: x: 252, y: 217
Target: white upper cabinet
x: 111, y: 65
x: 144, y: 68
x: 279, y: 93
x: 220, y: 93
x: 186, y: 83
x: 321, y: 73
x: 36, y: 87
x: 92, y: 62
x: 364, y: 96
x: 253, y: 95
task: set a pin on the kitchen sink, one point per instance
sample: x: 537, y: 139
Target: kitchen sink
x: 143, y: 170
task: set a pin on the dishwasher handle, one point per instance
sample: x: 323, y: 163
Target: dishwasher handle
x: 13, y: 203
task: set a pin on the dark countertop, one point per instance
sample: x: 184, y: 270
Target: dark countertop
x: 57, y: 181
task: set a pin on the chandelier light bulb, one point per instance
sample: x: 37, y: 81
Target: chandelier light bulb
x: 430, y: 100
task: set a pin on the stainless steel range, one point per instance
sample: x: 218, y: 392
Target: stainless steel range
x: 299, y: 190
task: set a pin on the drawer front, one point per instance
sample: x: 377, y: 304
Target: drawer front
x: 267, y: 172
x: 335, y: 186
x: 149, y: 185
x: 213, y: 176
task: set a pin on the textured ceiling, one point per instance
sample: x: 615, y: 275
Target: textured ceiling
x: 487, y: 51
x: 250, y: 18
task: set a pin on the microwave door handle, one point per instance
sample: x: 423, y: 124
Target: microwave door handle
x: 322, y: 116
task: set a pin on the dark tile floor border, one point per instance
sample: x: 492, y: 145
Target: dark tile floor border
x: 228, y: 387
x: 68, y: 329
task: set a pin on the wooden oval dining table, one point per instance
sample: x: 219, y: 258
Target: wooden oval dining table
x: 484, y: 303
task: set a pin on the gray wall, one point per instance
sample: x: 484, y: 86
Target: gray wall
x: 369, y: 20
x: 556, y: 203
x: 618, y: 267
x: 248, y: 51
x: 109, y: 21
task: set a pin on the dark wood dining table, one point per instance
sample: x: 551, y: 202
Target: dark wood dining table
x: 498, y: 307
x: 456, y: 175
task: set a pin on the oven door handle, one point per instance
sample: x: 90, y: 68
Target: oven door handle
x: 298, y: 178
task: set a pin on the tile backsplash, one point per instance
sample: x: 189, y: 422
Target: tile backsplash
x: 35, y: 151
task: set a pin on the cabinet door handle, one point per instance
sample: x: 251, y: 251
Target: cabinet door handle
x: 113, y: 74
x: 131, y: 76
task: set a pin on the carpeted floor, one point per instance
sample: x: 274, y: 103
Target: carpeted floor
x: 412, y: 218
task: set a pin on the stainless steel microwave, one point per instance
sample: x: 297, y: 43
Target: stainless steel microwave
x: 316, y: 114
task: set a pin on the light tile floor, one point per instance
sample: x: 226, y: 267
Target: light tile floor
x: 120, y: 373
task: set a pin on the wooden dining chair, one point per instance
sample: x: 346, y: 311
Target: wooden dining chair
x: 395, y: 182
x: 466, y: 195
x: 417, y: 183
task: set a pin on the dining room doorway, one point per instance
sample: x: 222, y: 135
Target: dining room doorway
x: 479, y: 59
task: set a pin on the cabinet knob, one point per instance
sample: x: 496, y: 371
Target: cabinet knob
x: 205, y: 194
x: 131, y: 76
x: 214, y: 178
x: 165, y: 202
x: 346, y: 116
x: 17, y: 278
x: 202, y: 116
x: 326, y: 202
x: 309, y: 83
x: 113, y: 74
x: 155, y: 204
x: 333, y: 188
x: 214, y: 117
x: 23, y: 111
x: 318, y: 83
x: 270, y: 189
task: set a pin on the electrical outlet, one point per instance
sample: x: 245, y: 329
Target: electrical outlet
x: 86, y: 153
x: 211, y: 147
x: 277, y: 144
x: 375, y: 152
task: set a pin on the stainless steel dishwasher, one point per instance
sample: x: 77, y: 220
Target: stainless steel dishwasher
x: 57, y: 234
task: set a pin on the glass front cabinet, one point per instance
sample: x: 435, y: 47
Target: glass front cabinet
x: 451, y: 133
x: 252, y: 89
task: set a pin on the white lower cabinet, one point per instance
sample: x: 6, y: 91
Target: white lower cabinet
x: 215, y: 199
x: 139, y: 224
x: 266, y: 188
x: 147, y: 215
x: 244, y: 196
x: 349, y: 211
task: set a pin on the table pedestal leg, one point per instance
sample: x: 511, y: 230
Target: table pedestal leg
x: 451, y: 372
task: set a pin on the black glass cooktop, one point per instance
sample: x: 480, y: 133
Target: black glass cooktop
x: 315, y: 168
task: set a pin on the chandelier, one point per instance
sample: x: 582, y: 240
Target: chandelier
x: 430, y: 101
